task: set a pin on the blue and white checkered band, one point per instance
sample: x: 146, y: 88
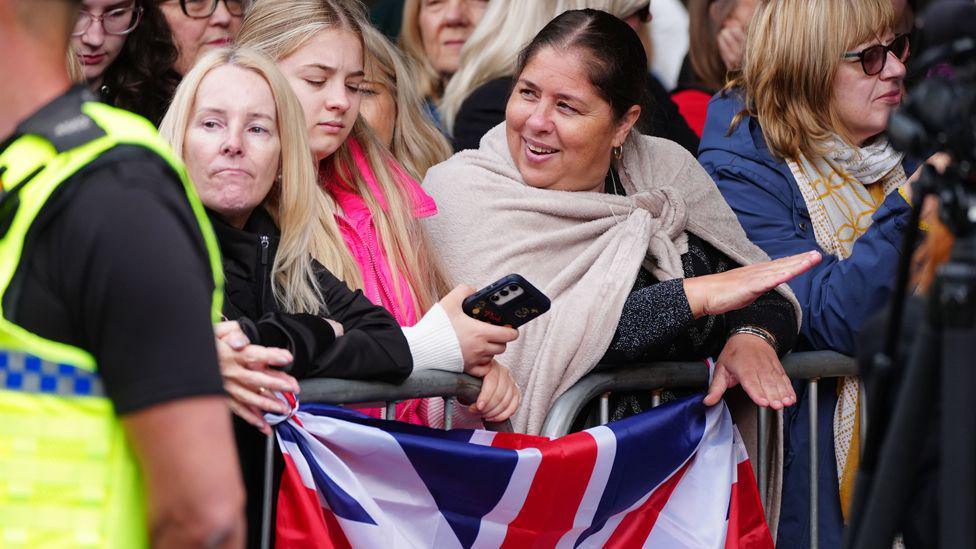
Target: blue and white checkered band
x: 28, y: 373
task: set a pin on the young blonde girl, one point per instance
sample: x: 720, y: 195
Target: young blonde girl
x: 319, y: 46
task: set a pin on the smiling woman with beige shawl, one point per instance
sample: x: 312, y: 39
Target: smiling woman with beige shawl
x: 611, y: 225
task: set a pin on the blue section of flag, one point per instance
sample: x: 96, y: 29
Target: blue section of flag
x: 464, y: 496
x: 670, y: 433
x: 341, y: 503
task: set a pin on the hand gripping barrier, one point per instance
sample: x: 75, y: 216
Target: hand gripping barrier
x: 607, y: 378
x: 371, y: 394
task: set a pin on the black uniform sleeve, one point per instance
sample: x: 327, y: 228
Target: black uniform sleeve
x: 123, y: 259
x: 372, y: 347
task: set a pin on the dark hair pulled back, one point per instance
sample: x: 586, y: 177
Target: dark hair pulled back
x: 613, y: 56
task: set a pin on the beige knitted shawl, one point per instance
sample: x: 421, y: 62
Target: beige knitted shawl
x: 582, y: 249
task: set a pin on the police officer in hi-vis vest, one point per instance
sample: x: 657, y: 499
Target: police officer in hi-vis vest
x: 113, y: 427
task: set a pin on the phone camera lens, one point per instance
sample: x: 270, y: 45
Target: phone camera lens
x: 494, y: 298
x: 504, y: 293
x: 512, y: 288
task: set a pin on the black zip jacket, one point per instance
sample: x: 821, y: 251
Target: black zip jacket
x: 373, y: 346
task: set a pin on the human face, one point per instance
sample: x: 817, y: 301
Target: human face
x: 445, y: 26
x: 326, y: 73
x: 378, y: 109
x: 863, y: 103
x: 97, y: 49
x: 194, y: 37
x: 232, y: 148
x: 560, y: 131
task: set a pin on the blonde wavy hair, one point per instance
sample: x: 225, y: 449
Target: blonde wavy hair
x: 429, y: 82
x: 508, y: 26
x: 793, y: 50
x: 278, y: 28
x: 300, y: 210
x: 417, y: 143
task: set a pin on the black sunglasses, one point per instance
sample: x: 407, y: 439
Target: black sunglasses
x: 201, y: 9
x: 873, y: 58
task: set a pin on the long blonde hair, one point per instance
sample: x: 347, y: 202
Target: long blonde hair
x: 508, y: 26
x: 417, y: 143
x: 300, y: 210
x: 793, y: 50
x: 429, y: 82
x: 278, y: 28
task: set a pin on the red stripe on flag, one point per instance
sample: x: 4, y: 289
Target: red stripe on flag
x: 747, y: 522
x: 557, y: 489
x: 516, y: 441
x: 300, y: 521
x: 637, y: 525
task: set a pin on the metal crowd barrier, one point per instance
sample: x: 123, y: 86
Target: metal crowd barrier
x: 376, y: 394
x: 607, y: 378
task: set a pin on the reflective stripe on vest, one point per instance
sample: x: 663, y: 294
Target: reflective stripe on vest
x: 67, y: 475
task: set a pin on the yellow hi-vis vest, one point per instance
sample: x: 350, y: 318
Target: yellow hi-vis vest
x: 67, y: 475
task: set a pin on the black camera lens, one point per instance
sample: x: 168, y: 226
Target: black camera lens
x: 512, y: 288
x: 504, y: 293
x: 494, y: 298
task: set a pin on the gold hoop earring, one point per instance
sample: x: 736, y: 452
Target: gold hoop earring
x: 617, y: 152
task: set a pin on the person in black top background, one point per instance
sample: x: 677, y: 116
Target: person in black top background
x: 115, y: 264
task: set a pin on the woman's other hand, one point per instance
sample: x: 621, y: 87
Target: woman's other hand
x: 250, y: 377
x: 750, y: 361
x: 732, y: 290
x: 480, y: 341
x: 500, y: 395
x: 732, y: 45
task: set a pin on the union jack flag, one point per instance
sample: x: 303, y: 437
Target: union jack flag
x: 674, y: 476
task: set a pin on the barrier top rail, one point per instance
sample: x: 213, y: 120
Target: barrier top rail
x: 421, y: 384
x: 677, y: 375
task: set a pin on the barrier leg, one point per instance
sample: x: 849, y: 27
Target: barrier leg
x: 448, y: 413
x: 604, y: 408
x: 814, y: 496
x: 763, y: 416
x: 269, y: 454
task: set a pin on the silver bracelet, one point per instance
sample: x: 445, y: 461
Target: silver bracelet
x: 759, y: 332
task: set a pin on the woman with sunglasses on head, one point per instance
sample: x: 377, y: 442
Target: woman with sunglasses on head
x: 796, y: 145
x: 198, y: 26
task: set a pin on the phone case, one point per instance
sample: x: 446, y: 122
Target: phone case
x: 510, y: 301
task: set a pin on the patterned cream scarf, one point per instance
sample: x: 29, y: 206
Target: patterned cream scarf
x: 842, y: 190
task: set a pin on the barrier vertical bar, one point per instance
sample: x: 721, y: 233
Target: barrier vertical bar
x: 656, y: 398
x: 814, y: 496
x: 448, y: 413
x: 763, y: 420
x: 604, y: 408
x: 390, y: 410
x: 269, y: 455
x: 862, y: 410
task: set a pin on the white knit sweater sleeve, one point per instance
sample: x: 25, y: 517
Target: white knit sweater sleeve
x: 433, y: 343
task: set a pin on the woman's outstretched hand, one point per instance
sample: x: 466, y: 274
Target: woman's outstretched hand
x: 750, y: 361
x: 719, y: 293
x: 250, y: 377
